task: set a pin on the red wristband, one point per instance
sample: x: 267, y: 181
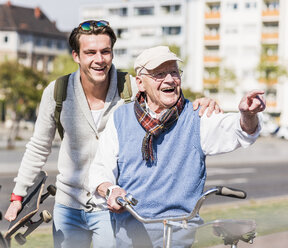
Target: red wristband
x: 15, y: 198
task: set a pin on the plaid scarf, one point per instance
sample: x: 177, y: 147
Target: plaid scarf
x: 154, y: 127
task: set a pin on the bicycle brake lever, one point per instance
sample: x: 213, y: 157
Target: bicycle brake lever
x: 130, y: 199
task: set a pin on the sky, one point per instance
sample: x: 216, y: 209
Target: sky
x: 64, y: 12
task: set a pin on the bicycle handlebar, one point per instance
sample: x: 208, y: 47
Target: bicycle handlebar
x: 230, y: 192
x: 218, y: 190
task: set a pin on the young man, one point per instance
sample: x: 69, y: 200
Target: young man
x: 155, y: 149
x: 92, y: 95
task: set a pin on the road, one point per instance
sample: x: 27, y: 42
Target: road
x: 260, y: 170
x: 259, y: 181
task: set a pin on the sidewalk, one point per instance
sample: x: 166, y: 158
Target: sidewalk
x: 264, y: 150
x: 277, y: 240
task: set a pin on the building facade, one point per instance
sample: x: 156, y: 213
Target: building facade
x: 229, y: 46
x: 28, y: 36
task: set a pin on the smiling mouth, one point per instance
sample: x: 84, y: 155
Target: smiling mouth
x: 168, y: 90
x: 99, y: 69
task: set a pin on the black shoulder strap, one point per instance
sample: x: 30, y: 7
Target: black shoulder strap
x: 60, y: 92
x: 124, y: 86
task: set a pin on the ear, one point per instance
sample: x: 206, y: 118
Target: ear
x: 140, y: 84
x: 75, y: 56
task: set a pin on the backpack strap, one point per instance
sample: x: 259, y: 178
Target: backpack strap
x: 60, y: 93
x: 124, y: 86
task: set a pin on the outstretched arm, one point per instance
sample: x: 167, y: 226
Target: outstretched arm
x: 251, y: 104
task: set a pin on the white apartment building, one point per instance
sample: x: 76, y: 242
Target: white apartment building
x: 143, y: 24
x: 221, y: 41
x: 28, y: 36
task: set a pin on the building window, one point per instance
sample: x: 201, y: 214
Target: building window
x: 49, y: 43
x: 171, y: 30
x: 6, y: 39
x: 171, y: 9
x: 250, y: 5
x: 141, y: 11
x: 120, y: 32
x: 120, y: 52
x: 232, y: 6
x: 118, y: 12
x: 38, y: 42
x: 213, y: 8
x: 60, y: 44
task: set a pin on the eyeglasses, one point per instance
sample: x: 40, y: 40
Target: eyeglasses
x: 160, y: 76
x: 89, y: 25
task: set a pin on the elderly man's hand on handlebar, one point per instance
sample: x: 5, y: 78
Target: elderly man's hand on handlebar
x: 112, y: 204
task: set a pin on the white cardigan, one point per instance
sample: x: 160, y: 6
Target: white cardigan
x: 78, y: 146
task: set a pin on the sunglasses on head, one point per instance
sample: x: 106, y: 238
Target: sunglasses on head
x: 89, y: 25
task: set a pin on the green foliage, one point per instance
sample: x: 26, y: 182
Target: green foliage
x: 191, y: 95
x: 130, y: 70
x: 63, y: 64
x: 175, y: 49
x: 21, y: 87
x: 270, y: 71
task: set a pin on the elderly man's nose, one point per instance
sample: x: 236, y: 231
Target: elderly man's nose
x: 168, y: 77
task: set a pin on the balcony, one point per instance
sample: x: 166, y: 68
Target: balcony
x: 266, y: 36
x: 212, y: 15
x: 270, y: 81
x: 211, y: 59
x: 270, y: 37
x: 270, y: 13
x: 270, y: 58
x: 212, y: 37
x: 271, y: 104
x: 210, y: 82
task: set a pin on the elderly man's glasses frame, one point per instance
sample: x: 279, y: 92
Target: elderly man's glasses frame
x: 160, y: 76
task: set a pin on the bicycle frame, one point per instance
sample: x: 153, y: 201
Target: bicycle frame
x: 128, y: 202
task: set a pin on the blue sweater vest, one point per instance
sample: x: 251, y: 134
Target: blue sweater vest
x: 172, y: 184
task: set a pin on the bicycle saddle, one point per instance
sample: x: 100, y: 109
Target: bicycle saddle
x: 234, y: 230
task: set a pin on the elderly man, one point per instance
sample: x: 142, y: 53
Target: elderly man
x: 155, y: 148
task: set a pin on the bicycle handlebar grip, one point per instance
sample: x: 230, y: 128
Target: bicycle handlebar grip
x: 230, y: 192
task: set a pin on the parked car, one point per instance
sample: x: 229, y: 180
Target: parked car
x: 282, y: 133
x: 270, y: 127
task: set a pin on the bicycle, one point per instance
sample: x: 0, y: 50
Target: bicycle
x: 3, y: 242
x: 231, y: 231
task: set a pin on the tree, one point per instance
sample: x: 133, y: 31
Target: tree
x: 21, y: 88
x: 228, y: 80
x: 269, y: 72
x: 63, y: 64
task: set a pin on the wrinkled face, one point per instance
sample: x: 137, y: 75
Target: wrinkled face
x: 162, y: 88
x: 94, y: 58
